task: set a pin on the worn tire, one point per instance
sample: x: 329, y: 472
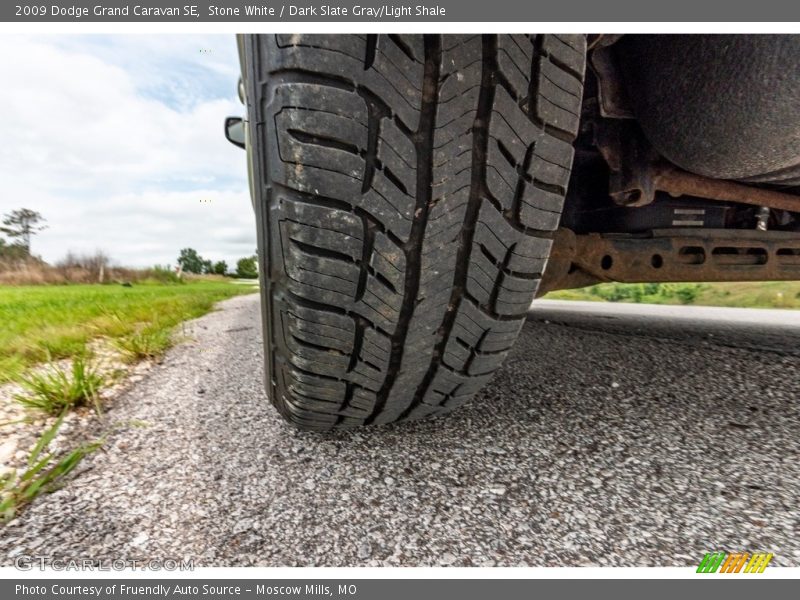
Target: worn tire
x: 406, y: 190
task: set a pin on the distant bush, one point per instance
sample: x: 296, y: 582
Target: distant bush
x: 163, y: 274
x: 685, y: 293
x: 616, y: 292
x: 27, y: 270
x: 750, y: 294
x: 91, y: 266
x: 12, y: 252
x: 247, y: 268
x: 220, y: 268
x: 78, y: 268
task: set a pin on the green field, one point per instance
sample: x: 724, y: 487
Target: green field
x: 771, y: 294
x: 57, y: 321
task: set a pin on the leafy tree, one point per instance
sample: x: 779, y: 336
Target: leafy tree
x: 208, y: 266
x: 21, y: 225
x: 190, y: 261
x: 220, y: 268
x: 247, y: 268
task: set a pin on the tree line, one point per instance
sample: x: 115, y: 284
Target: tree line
x: 20, y: 225
x: 190, y: 261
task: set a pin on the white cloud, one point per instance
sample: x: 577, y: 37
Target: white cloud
x: 117, y: 162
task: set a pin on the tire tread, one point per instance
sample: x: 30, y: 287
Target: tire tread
x: 410, y: 186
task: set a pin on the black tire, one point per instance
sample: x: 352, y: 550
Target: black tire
x: 406, y: 190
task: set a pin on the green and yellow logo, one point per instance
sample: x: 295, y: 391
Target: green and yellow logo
x: 744, y: 562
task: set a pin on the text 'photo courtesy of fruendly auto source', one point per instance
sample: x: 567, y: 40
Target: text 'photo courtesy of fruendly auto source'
x: 406, y: 290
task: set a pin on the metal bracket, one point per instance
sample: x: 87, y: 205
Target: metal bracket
x: 672, y: 255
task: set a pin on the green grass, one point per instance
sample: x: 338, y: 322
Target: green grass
x: 45, y: 472
x: 52, y: 390
x: 44, y: 322
x: 150, y: 342
x: 770, y: 294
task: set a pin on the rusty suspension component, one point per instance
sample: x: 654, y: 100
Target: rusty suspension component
x: 680, y: 183
x: 671, y: 255
x: 637, y: 173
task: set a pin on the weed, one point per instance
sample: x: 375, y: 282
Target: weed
x: 45, y: 472
x: 53, y: 389
x: 149, y: 343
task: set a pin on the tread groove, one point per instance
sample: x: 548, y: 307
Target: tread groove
x: 423, y: 140
x: 369, y: 241
x: 515, y: 213
x: 480, y: 135
x: 369, y: 55
x: 374, y: 118
x: 323, y: 141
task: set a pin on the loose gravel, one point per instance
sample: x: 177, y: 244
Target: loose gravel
x: 589, y: 448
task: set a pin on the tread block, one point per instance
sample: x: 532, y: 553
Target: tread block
x: 393, y: 77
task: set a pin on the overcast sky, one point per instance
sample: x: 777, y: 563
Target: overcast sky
x: 117, y: 141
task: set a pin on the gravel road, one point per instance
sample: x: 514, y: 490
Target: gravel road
x: 616, y: 435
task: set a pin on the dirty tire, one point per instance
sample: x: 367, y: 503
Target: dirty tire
x: 407, y: 189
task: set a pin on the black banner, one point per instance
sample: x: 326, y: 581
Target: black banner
x: 395, y: 589
x: 276, y: 11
